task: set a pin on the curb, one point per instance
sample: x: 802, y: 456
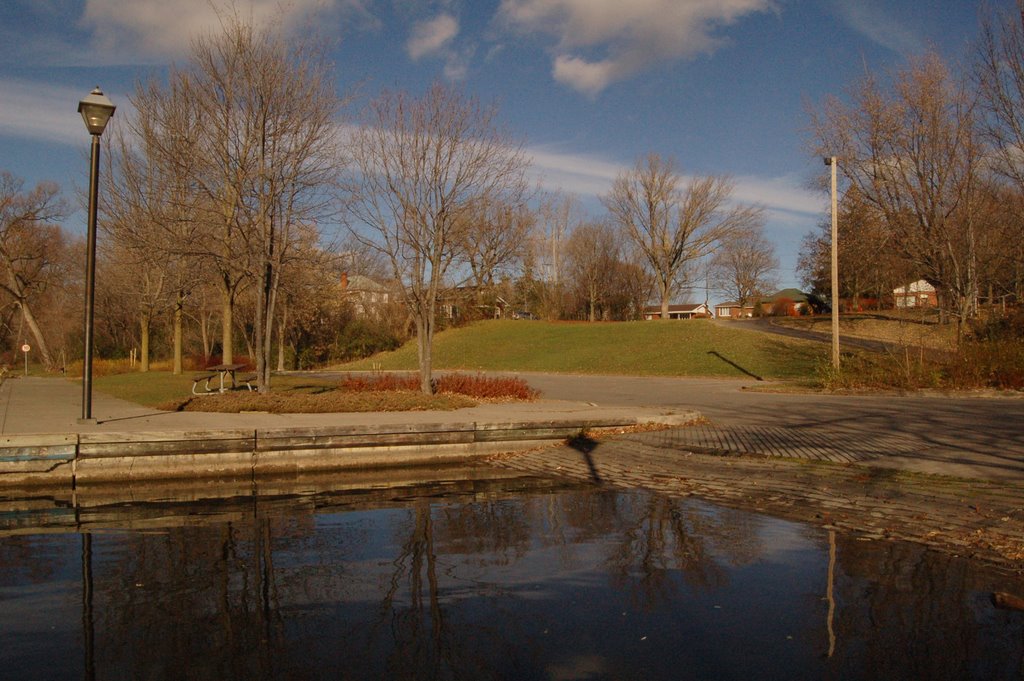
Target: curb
x: 72, y: 460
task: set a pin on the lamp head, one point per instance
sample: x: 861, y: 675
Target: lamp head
x: 96, y: 110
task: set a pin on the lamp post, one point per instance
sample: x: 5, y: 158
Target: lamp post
x: 832, y: 162
x: 96, y: 110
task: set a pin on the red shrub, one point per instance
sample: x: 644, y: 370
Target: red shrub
x: 478, y: 385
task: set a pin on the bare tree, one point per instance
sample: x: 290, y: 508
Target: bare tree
x: 493, y: 239
x: 557, y: 215
x: 671, y: 226
x: 745, y: 265
x: 270, y: 109
x: 630, y: 285
x: 914, y: 154
x: 30, y: 247
x: 422, y: 162
x: 868, y: 261
x: 1000, y: 77
x: 592, y: 254
x: 249, y: 126
x: 151, y: 217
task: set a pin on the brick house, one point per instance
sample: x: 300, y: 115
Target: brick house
x: 915, y: 294
x: 683, y: 311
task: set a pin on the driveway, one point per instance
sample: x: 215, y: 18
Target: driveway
x: 766, y: 325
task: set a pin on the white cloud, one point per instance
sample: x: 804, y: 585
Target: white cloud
x: 432, y: 37
x: 586, y: 76
x: 592, y: 176
x: 160, y: 29
x: 877, y: 26
x: 574, y: 173
x: 779, y: 195
x: 42, y: 112
x: 631, y: 36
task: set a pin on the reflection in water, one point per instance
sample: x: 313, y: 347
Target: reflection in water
x: 519, y: 580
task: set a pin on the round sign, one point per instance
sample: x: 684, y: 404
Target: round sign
x: 26, y: 347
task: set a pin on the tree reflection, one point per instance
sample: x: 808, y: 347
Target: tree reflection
x: 482, y: 585
x: 907, y: 612
x: 661, y: 535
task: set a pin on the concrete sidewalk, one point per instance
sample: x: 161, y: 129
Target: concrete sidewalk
x: 31, y: 405
x: 42, y: 443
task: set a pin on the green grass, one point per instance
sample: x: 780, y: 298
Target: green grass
x: 659, y: 348
x: 158, y: 388
x: 289, y: 395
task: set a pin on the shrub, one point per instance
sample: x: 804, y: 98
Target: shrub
x: 995, y: 327
x: 478, y: 385
x: 361, y: 338
x: 976, y: 364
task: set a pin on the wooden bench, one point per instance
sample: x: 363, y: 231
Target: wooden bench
x: 248, y: 380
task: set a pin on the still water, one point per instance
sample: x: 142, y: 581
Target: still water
x: 518, y: 578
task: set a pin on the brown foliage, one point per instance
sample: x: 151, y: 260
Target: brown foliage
x: 477, y: 386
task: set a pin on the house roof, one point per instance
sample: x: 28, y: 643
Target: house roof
x: 919, y: 286
x: 359, y: 282
x: 794, y: 294
x: 731, y: 303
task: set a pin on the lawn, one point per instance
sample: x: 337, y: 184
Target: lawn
x: 910, y: 327
x: 290, y: 394
x: 658, y: 348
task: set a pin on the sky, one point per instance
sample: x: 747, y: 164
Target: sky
x: 722, y: 87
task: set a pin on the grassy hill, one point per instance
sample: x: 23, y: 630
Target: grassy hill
x: 669, y: 348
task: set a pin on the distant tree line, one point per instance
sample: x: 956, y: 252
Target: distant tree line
x: 933, y: 178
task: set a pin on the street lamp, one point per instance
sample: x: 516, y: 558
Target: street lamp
x: 833, y: 163
x: 96, y: 111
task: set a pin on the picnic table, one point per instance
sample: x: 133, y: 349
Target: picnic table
x: 220, y: 371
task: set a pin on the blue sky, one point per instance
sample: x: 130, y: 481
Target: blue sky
x: 721, y: 86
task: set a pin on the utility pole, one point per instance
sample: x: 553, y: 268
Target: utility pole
x: 832, y: 162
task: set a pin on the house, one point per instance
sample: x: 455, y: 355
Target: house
x: 787, y: 302
x: 684, y: 311
x: 366, y: 296
x: 730, y: 310
x: 470, y: 302
x: 915, y: 294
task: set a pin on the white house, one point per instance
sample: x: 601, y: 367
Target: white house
x: 915, y: 294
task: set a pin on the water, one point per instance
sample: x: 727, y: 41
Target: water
x: 477, y: 579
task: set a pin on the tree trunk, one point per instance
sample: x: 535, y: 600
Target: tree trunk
x: 33, y: 327
x: 664, y: 299
x: 260, y: 341
x: 204, y: 334
x: 281, y: 337
x: 144, y: 343
x: 226, y: 322
x: 178, y: 313
x: 424, y: 342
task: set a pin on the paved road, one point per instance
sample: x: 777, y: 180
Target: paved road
x: 969, y: 436
x: 766, y: 325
